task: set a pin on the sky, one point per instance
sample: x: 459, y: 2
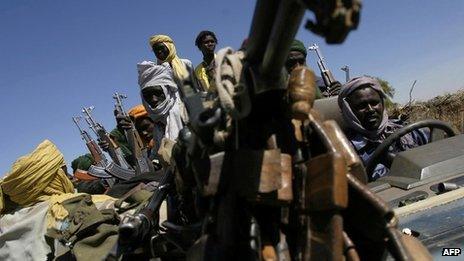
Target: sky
x: 59, y: 55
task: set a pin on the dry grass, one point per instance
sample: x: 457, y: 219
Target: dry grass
x: 448, y: 108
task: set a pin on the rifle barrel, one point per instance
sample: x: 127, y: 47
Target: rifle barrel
x: 76, y: 121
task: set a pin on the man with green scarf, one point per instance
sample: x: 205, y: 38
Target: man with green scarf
x: 297, y: 57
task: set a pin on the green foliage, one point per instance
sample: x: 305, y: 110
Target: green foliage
x: 388, y: 90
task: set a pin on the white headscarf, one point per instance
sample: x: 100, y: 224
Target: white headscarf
x: 348, y: 115
x: 171, y: 111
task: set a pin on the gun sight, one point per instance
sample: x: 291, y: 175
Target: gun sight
x: 313, y: 47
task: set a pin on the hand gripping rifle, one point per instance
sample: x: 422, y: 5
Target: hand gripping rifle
x: 326, y: 74
x: 139, y: 150
x: 119, y: 168
x: 98, y: 169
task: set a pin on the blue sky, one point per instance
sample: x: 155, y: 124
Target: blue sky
x: 59, y: 55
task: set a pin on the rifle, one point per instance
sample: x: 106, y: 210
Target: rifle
x: 97, y: 169
x: 346, y: 69
x: 114, y: 150
x: 119, y: 167
x: 139, y: 150
x: 326, y: 74
x: 138, y: 227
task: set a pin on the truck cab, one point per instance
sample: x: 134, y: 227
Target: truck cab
x: 425, y: 186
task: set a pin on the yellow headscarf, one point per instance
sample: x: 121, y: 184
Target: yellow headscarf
x: 36, y: 177
x: 138, y: 111
x: 178, y: 67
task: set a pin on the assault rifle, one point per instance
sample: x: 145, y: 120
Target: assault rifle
x: 119, y: 167
x: 326, y: 74
x: 98, y: 169
x: 139, y: 150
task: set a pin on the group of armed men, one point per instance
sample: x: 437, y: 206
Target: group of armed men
x: 162, y: 113
x: 141, y: 144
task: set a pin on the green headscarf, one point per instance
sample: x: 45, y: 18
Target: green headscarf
x: 82, y: 162
x: 298, y: 46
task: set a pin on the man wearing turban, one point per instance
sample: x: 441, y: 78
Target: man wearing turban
x: 160, y: 91
x: 165, y: 52
x: 35, y: 177
x: 362, y: 105
x: 143, y: 124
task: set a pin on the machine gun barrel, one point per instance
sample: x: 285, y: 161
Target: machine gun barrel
x: 272, y: 32
x: 286, y: 24
x: 261, y: 27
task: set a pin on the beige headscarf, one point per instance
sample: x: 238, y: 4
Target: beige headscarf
x: 178, y: 67
x: 36, y: 177
x: 350, y: 118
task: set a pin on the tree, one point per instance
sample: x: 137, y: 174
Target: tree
x: 388, y: 90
